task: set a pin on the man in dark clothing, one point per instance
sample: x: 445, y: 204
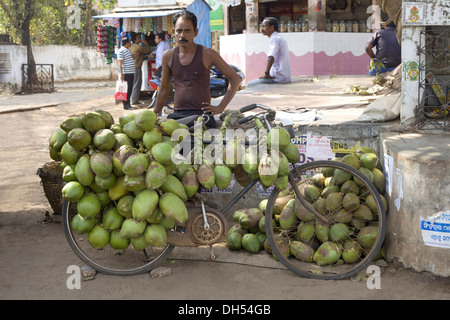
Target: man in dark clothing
x: 189, y: 64
x: 388, y: 50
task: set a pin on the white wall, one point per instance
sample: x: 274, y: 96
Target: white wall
x: 69, y: 63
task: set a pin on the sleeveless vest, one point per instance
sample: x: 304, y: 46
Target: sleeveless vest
x: 191, y: 81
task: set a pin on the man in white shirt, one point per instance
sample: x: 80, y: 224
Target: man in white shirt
x: 161, y: 47
x: 278, y: 69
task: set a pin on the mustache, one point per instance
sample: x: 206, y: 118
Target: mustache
x: 183, y: 40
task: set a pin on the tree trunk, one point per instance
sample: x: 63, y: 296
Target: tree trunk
x: 26, y: 36
x: 88, y: 32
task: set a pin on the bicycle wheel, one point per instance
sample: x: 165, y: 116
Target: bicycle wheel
x: 108, y: 260
x: 324, y: 227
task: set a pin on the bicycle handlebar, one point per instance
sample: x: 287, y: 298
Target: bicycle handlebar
x: 246, y: 119
x: 253, y: 106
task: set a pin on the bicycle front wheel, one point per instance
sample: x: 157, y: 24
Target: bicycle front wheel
x: 124, y: 262
x: 329, y: 224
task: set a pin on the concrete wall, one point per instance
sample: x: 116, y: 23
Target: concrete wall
x: 311, y: 53
x: 418, y: 185
x: 70, y: 63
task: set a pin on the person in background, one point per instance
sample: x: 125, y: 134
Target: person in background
x: 140, y: 52
x: 161, y: 47
x: 127, y: 68
x: 278, y: 68
x: 189, y: 64
x: 388, y: 50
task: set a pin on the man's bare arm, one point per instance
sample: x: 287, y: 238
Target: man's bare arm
x: 369, y: 51
x: 213, y: 58
x: 165, y: 81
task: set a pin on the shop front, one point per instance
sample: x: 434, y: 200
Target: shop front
x: 148, y: 18
x: 325, y: 37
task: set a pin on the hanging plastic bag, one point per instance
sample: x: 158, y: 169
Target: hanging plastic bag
x: 121, y: 90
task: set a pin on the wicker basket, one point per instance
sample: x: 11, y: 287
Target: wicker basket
x: 52, y: 182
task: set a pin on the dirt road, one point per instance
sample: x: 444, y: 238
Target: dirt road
x: 34, y: 255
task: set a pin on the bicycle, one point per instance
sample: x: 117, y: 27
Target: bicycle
x: 207, y: 226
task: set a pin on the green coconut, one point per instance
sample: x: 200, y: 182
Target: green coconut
x: 81, y: 225
x: 126, y: 117
x: 79, y: 138
x: 145, y: 120
x: 92, y: 121
x: 84, y: 172
x: 118, y: 190
x: 101, y: 164
x: 98, y: 237
x: 125, y: 206
x: 222, y: 175
x: 234, y: 241
x: 352, y: 252
x: 106, y: 116
x: 162, y: 152
x: 249, y: 160
x: 250, y: 243
x: 57, y: 139
x: 367, y: 236
x: 278, y: 136
x: 206, y: 176
x: 71, y: 122
x: 69, y: 173
x: 120, y: 156
x: 173, y: 207
x: 135, y: 165
x: 151, y: 137
x: 328, y: 253
x: 168, y: 126
x: 121, y: 140
x: 155, y: 176
x: 117, y: 242
x: 135, y: 184
x: 144, y: 204
x: 105, y: 182
x: 301, y: 251
x: 73, y: 191
x: 104, y: 139
x: 132, y: 228
x: 291, y: 152
x: 369, y: 160
x: 112, y: 219
x: 350, y: 201
x: 156, y: 216
x: 190, y: 182
x: 156, y: 235
x: 173, y: 185
x: 89, y: 205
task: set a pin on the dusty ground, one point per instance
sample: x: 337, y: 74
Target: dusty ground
x: 34, y: 255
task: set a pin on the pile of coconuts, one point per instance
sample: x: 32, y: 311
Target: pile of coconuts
x: 126, y: 187
x: 299, y: 234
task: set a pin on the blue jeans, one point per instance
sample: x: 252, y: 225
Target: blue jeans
x: 260, y: 81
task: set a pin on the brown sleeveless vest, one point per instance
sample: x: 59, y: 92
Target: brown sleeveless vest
x: 191, y: 81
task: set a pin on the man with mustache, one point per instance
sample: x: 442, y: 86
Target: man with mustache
x: 189, y: 65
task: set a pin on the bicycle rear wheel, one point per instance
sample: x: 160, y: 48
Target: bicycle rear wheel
x: 324, y: 227
x: 108, y: 260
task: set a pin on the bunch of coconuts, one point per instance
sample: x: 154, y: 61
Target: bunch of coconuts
x: 125, y: 184
x: 300, y: 234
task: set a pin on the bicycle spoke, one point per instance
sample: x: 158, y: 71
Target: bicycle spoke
x: 328, y: 230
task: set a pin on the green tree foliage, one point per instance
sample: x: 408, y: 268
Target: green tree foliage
x: 49, y: 20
